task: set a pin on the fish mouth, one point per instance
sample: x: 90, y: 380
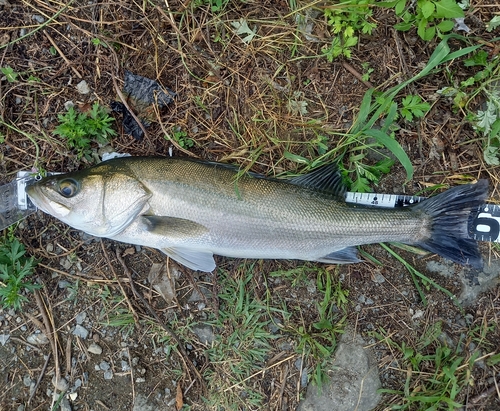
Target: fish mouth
x: 41, y: 201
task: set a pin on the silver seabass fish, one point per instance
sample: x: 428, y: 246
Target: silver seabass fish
x: 191, y: 210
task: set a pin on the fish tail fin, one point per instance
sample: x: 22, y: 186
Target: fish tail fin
x: 451, y: 212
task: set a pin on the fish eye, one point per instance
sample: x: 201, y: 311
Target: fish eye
x: 68, y: 188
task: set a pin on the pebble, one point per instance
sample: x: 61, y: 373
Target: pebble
x: 205, y: 333
x: 378, y: 278
x: 82, y: 87
x: 81, y: 332
x: 95, y: 349
x: 61, y: 384
x: 125, y: 366
x: 63, y: 284
x: 67, y: 105
x: 37, y: 339
x: 104, y: 366
x: 4, y: 338
x: 27, y: 380
x: 80, y: 317
x: 65, y: 405
x: 38, y: 18
x: 140, y: 379
x: 108, y: 375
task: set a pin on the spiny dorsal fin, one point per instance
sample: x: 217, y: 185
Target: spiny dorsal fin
x: 326, y: 178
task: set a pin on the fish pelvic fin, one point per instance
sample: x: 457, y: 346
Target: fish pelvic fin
x: 193, y: 259
x: 450, y: 213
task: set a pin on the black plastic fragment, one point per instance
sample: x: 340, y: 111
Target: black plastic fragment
x: 141, y: 94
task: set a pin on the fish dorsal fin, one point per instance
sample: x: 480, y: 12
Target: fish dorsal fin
x: 193, y: 259
x: 326, y: 178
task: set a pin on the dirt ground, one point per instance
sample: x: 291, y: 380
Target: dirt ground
x: 235, y: 103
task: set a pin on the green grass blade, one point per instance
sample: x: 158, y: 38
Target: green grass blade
x: 395, y: 148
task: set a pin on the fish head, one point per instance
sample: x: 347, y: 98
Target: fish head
x: 100, y: 200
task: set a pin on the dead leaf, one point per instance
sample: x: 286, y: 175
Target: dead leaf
x: 179, y: 401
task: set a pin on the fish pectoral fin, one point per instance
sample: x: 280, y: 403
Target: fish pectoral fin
x: 345, y: 256
x: 193, y: 259
x: 174, y: 228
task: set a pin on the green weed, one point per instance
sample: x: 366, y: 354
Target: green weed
x: 9, y: 74
x: 435, y: 374
x: 242, y: 351
x: 81, y: 129
x: 431, y: 18
x: 15, y: 267
x: 181, y: 137
x: 413, y: 106
x: 318, y: 341
x: 346, y: 20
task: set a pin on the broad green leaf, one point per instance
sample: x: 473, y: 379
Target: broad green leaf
x: 403, y: 26
x: 493, y: 24
x: 395, y: 148
x: 448, y: 9
x: 428, y: 9
x: 445, y: 26
x: 400, y: 7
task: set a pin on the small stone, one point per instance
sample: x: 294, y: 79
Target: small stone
x: 81, y: 332
x: 21, y: 408
x: 61, y: 384
x: 65, y: 405
x: 69, y: 104
x: 104, y: 366
x: 73, y: 396
x: 4, y: 338
x: 140, y: 379
x: 27, y: 380
x: 108, y: 375
x: 304, y: 378
x: 205, y: 333
x: 38, y: 18
x: 80, y: 317
x: 378, y: 278
x: 125, y: 366
x: 95, y: 349
x: 82, y: 87
x: 63, y: 284
x: 37, y: 339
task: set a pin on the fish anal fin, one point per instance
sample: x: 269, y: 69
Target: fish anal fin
x: 347, y: 255
x: 193, y: 259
